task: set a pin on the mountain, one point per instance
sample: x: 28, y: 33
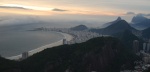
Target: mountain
x: 142, y: 25
x: 140, y: 22
x: 102, y: 54
x: 79, y: 28
x: 127, y: 37
x: 119, y: 26
x: 138, y: 19
x: 107, y: 24
x: 146, y: 33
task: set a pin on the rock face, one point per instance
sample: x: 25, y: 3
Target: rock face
x: 88, y: 59
x: 100, y: 62
x: 79, y: 28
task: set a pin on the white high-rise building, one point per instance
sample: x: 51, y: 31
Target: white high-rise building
x: 64, y: 41
x: 25, y: 55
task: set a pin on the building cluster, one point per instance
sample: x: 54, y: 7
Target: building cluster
x: 82, y: 36
x: 145, y: 49
x: 79, y: 36
x: 140, y: 66
x: 24, y: 55
x: 146, y: 46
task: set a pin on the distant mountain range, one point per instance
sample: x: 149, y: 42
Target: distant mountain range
x: 109, y: 23
x: 118, y: 26
x: 140, y: 22
x: 138, y: 19
x: 79, y: 28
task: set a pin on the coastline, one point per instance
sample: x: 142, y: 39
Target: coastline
x: 68, y: 37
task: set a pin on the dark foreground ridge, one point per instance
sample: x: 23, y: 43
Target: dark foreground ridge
x: 102, y: 54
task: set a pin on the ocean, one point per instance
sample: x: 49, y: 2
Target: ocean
x: 16, y: 39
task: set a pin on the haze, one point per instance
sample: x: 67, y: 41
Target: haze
x: 83, y: 11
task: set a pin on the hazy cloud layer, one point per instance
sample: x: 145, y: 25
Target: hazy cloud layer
x: 14, y: 7
x: 130, y: 13
x: 142, y: 14
x: 138, y: 6
x: 60, y: 10
x: 138, y: 14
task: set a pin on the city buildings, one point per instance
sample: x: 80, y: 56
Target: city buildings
x: 64, y: 41
x: 135, y: 46
x: 146, y: 46
x: 25, y: 55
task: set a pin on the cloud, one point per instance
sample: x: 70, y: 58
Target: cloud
x: 138, y: 14
x: 60, y: 10
x: 130, y: 13
x: 11, y: 7
x: 142, y: 14
x: 146, y: 14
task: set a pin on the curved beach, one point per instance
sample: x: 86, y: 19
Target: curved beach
x: 68, y: 37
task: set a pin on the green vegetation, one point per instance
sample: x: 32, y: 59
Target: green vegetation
x: 127, y: 38
x: 7, y: 64
x: 103, y: 54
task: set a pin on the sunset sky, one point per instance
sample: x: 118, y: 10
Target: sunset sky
x: 70, y: 11
x: 89, y: 7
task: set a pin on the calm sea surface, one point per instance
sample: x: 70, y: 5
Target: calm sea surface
x: 17, y: 39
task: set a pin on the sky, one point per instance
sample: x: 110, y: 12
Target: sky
x: 101, y: 9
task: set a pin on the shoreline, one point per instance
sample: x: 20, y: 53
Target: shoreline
x: 68, y: 37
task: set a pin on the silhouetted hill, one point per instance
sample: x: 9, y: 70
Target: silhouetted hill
x: 8, y: 65
x: 120, y: 26
x: 127, y: 37
x: 79, y: 28
x: 146, y: 33
x: 140, y: 22
x: 103, y: 54
x: 107, y: 24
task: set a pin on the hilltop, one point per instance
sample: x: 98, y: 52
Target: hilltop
x: 102, y: 54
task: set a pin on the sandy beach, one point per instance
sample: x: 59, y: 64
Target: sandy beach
x: 68, y: 37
